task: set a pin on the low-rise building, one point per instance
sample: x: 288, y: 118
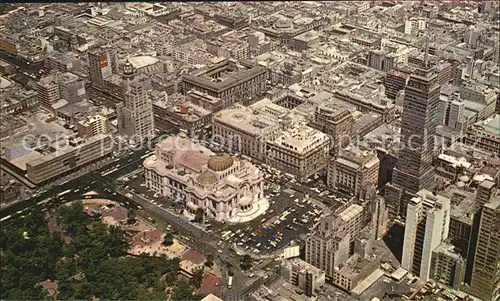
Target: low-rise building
x: 64, y: 159
x: 485, y: 134
x: 304, y: 275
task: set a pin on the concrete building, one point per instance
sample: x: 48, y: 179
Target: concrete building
x: 48, y: 92
x: 485, y: 276
x: 304, y: 41
x: 414, y: 170
x: 92, y: 126
x: 135, y: 114
x: 336, y: 121
x: 228, y: 80
x: 333, y: 241
x: 485, y: 134
x: 447, y: 266
x: 146, y: 64
x: 64, y: 159
x: 243, y: 130
x: 427, y: 225
x: 299, y: 150
x: 328, y: 246
x: 303, y: 275
x: 71, y: 87
x: 353, y: 169
x: 102, y: 64
x: 356, y: 269
x: 485, y: 191
x: 226, y: 188
x: 395, y: 82
x: 180, y: 113
x: 415, y: 26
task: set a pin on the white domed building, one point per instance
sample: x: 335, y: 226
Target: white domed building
x: 226, y: 188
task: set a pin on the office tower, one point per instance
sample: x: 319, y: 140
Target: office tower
x: 484, y: 278
x: 414, y: 170
x: 485, y: 191
x: 102, y: 64
x: 92, y: 126
x: 135, y: 113
x: 48, y: 92
x: 328, y: 246
x: 71, y: 87
x: 427, y: 224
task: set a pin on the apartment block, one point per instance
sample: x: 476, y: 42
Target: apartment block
x: 427, y: 225
x: 447, y: 266
x: 353, y: 169
x: 92, y: 126
x: 303, y: 275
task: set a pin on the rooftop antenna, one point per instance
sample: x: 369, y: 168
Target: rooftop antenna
x: 426, y: 54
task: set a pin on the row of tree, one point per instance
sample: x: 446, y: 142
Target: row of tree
x: 92, y: 262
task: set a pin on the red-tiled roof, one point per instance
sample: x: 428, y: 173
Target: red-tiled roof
x: 117, y: 213
x: 147, y: 238
x: 193, y: 256
x: 208, y: 285
x: 193, y: 160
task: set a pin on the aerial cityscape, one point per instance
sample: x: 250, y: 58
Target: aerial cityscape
x: 261, y: 151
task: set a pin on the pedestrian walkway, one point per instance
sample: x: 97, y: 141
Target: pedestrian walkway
x: 257, y: 209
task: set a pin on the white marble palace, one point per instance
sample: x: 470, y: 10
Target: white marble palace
x: 227, y: 188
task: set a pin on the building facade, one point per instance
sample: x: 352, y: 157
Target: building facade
x: 299, y: 150
x: 414, y: 170
x: 353, y: 169
x: 135, y: 114
x: 229, y: 81
x: 102, y: 64
x: 93, y: 126
x: 224, y: 187
x: 66, y: 160
x: 485, y: 277
x: 427, y: 225
x: 307, y: 277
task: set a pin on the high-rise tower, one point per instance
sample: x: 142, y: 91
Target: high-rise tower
x: 102, y: 64
x: 414, y: 170
x: 483, y: 274
x: 135, y: 113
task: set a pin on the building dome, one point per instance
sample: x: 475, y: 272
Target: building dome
x: 128, y: 70
x: 220, y: 162
x: 207, y: 178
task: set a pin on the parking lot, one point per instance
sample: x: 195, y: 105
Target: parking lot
x: 291, y: 216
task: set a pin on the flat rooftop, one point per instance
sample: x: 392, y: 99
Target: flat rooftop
x: 350, y: 212
x: 246, y: 120
x: 301, y: 138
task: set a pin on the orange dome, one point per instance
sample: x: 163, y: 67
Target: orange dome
x: 220, y: 162
x: 207, y: 178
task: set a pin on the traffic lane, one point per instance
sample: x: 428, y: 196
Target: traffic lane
x: 268, y: 229
x: 74, y: 184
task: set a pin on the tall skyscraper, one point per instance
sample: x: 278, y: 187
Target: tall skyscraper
x: 483, y: 276
x: 414, y: 170
x: 135, y: 113
x: 427, y: 224
x: 102, y: 64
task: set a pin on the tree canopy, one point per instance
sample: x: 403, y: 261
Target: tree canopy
x: 92, y: 263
